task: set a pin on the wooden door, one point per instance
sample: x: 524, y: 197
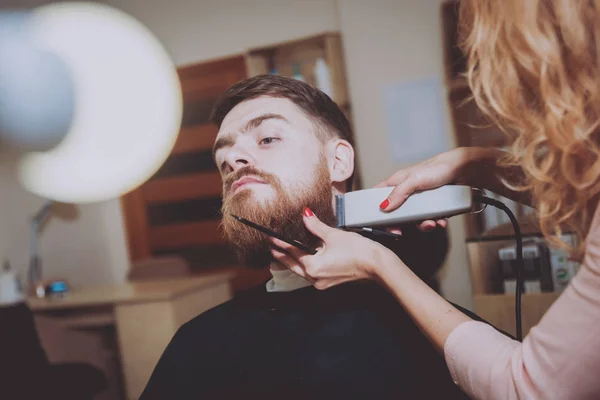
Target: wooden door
x: 177, y: 211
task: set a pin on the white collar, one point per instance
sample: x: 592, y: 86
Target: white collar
x: 286, y: 281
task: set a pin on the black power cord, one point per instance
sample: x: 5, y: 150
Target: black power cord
x: 520, y: 264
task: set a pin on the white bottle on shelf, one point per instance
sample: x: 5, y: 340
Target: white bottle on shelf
x: 296, y: 73
x: 10, y: 286
x: 323, y: 77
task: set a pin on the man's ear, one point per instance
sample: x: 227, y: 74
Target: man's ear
x: 341, y: 161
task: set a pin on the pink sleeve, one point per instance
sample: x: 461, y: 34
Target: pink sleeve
x: 559, y: 358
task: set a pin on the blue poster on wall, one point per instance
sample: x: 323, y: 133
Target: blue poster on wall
x: 417, y: 120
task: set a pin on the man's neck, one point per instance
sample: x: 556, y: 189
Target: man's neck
x: 284, y: 280
x: 275, y: 266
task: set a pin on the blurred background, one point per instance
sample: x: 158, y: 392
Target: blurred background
x: 374, y: 46
x: 392, y: 65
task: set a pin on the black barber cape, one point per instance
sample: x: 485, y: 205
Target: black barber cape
x: 352, y: 341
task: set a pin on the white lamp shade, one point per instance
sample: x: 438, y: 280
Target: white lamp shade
x: 128, y: 105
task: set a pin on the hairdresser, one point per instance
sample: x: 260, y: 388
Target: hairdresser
x: 534, y: 68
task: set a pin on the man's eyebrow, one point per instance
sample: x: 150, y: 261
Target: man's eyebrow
x: 255, y: 122
x: 228, y: 140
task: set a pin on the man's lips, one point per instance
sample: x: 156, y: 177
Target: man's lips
x: 244, y: 181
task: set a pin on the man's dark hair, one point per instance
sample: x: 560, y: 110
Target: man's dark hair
x: 329, y: 118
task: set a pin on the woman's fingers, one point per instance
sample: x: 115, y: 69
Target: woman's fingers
x: 429, y: 225
x: 394, y: 179
x: 398, y: 195
x: 424, y: 226
x: 316, y: 226
x: 293, y: 251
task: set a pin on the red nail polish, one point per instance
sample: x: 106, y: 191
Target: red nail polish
x: 384, y: 204
x: 308, y: 212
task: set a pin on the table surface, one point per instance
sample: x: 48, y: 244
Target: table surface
x: 128, y: 292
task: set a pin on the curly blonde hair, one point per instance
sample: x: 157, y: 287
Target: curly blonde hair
x: 533, y: 68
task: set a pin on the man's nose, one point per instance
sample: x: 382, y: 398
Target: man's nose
x: 237, y: 158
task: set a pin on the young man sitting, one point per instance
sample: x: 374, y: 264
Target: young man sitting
x: 282, y: 146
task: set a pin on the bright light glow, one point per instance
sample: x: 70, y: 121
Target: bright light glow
x: 128, y: 105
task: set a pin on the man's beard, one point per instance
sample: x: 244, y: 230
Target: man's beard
x: 283, y: 214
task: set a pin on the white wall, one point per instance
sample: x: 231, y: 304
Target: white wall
x: 193, y: 31
x: 386, y: 41
x: 4, y: 212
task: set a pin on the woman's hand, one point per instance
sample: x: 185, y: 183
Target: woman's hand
x: 343, y: 257
x: 443, y: 169
x: 471, y: 166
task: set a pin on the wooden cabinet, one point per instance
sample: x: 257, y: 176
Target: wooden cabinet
x: 300, y: 56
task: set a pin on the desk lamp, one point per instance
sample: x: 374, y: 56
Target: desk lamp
x: 90, y: 103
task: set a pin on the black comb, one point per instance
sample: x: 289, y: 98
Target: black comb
x: 269, y: 232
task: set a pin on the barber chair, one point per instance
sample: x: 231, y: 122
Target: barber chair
x: 25, y: 371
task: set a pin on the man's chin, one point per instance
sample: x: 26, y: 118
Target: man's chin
x: 250, y: 199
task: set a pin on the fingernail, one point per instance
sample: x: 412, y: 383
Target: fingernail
x: 308, y: 213
x: 384, y: 204
x: 428, y: 228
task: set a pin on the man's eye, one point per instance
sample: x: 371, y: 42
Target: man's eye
x: 268, y: 140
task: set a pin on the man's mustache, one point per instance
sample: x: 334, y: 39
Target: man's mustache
x: 246, y: 171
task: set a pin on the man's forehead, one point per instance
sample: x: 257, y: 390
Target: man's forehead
x: 241, y: 114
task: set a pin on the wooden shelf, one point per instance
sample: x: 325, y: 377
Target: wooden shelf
x: 91, y: 320
x: 303, y: 53
x: 458, y: 84
x: 499, y: 309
